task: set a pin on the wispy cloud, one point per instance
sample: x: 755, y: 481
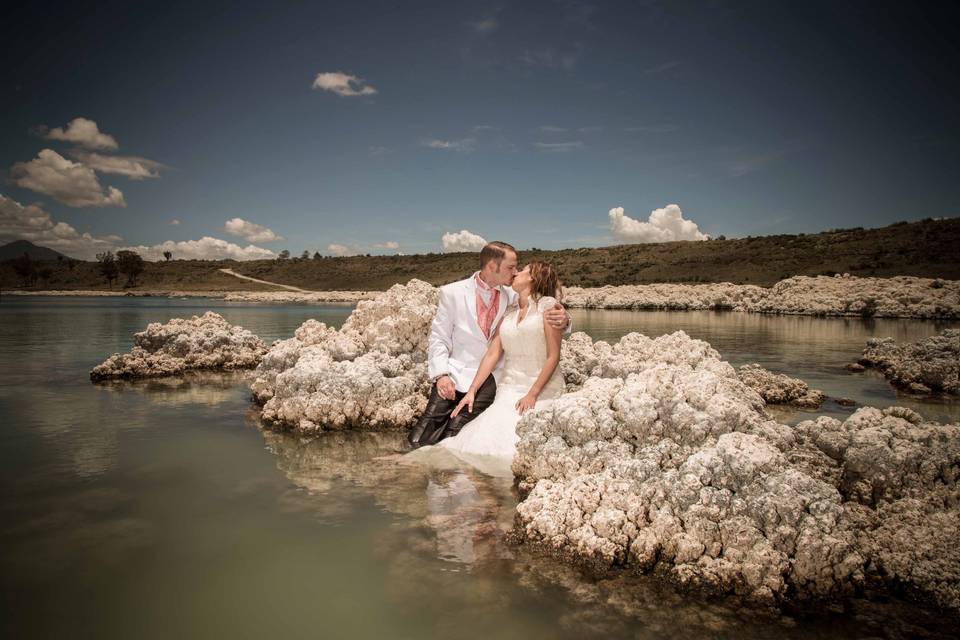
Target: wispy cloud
x: 578, y: 13
x: 591, y: 129
x: 483, y: 128
x: 485, y: 26
x: 175, y: 221
x: 653, y: 128
x: 744, y: 163
x: 378, y: 152
x: 558, y: 147
x: 132, y: 167
x: 551, y: 58
x: 660, y: 68
x: 343, y: 84
x: 463, y: 145
x: 551, y: 129
x: 389, y: 244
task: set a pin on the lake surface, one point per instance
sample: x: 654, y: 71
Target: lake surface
x: 162, y: 508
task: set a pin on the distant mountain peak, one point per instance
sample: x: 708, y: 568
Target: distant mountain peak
x: 17, y: 248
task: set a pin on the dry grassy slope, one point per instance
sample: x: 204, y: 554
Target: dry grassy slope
x: 928, y: 248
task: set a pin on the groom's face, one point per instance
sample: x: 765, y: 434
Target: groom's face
x: 507, y: 270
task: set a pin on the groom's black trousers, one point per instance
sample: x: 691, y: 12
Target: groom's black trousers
x: 436, y: 424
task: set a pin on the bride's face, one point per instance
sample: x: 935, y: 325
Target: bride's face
x: 522, y: 280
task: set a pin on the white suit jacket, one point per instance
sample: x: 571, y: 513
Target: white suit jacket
x: 456, y: 344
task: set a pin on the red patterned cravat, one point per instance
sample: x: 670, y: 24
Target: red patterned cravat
x: 486, y: 312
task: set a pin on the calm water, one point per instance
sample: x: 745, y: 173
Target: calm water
x: 162, y: 509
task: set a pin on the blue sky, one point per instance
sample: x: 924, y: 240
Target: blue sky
x: 520, y: 121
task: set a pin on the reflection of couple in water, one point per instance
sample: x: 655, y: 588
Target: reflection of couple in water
x: 494, y: 351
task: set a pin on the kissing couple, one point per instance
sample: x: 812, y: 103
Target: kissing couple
x: 493, y: 354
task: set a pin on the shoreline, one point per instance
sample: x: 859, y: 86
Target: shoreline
x: 229, y: 296
x: 823, y: 296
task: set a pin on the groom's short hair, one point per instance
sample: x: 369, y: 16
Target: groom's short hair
x: 495, y: 251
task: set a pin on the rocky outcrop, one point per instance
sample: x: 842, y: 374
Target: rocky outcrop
x: 779, y: 388
x: 899, y: 478
x: 206, y: 342
x: 899, y: 297
x: 675, y: 467
x: 667, y: 296
x: 661, y: 457
x: 369, y: 374
x: 931, y: 364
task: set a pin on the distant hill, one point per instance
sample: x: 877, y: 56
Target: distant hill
x: 926, y: 248
x: 17, y: 248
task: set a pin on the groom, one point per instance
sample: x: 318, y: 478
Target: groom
x: 467, y: 317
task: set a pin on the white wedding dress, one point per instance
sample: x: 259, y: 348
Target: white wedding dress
x: 489, y: 441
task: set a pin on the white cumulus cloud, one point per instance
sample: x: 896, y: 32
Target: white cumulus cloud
x: 81, y: 131
x: 341, y: 250
x: 206, y: 248
x: 71, y: 183
x: 343, y: 84
x: 132, y: 167
x: 175, y: 221
x: 461, y: 241
x: 663, y: 225
x: 31, y: 222
x: 250, y: 231
x: 558, y: 147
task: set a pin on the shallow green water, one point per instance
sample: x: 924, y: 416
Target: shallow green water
x: 162, y: 509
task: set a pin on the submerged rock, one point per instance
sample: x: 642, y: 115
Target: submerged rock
x: 778, y: 388
x: 198, y: 343
x: 369, y: 374
x: 930, y: 364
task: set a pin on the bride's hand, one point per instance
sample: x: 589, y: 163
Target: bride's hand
x: 466, y: 401
x: 525, y: 403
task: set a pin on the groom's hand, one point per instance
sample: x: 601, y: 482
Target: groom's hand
x: 446, y: 388
x: 557, y: 317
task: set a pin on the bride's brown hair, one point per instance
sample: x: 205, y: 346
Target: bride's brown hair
x: 544, y: 281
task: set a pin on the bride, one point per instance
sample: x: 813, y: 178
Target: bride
x: 530, y: 347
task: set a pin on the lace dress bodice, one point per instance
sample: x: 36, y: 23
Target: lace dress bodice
x: 525, y: 349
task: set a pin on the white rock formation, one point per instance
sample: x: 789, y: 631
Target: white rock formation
x: 666, y: 296
x: 677, y: 467
x: 370, y: 374
x: 201, y: 342
x: 779, y: 388
x: 931, y: 364
x: 899, y: 297
x: 313, y: 297
x: 662, y: 457
x: 899, y: 477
